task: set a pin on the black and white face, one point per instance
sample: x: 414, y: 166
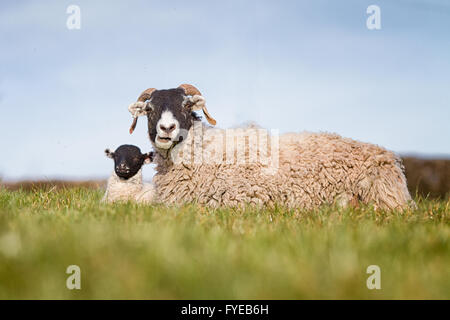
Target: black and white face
x: 170, y: 117
x: 128, y: 160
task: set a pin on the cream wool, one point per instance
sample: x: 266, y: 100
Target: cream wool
x: 308, y: 170
x: 119, y: 189
x: 132, y: 189
x: 146, y: 194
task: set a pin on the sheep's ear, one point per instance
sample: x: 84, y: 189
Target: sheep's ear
x: 148, y: 157
x: 138, y: 109
x: 109, y: 154
x: 198, y: 102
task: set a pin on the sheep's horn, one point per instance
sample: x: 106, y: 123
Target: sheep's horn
x: 144, y: 96
x: 190, y: 90
x: 133, y: 125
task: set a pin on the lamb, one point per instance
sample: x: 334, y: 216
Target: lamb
x: 125, y: 182
x: 249, y: 165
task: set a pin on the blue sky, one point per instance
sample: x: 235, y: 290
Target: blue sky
x: 288, y: 65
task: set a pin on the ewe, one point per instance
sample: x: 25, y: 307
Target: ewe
x: 235, y: 167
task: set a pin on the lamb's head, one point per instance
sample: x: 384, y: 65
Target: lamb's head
x: 170, y: 113
x: 128, y: 160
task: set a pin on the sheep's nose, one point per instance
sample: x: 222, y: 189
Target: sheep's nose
x: 122, y: 166
x: 167, y: 129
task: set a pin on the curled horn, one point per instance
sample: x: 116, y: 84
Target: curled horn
x: 138, y: 108
x: 146, y: 95
x: 190, y: 90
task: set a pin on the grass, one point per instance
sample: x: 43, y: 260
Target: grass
x: 154, y: 252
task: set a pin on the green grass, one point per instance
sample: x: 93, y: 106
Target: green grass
x: 145, y: 252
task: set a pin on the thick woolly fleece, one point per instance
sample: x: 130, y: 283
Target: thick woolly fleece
x: 132, y: 189
x: 309, y: 169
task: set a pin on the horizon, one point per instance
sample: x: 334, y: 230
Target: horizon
x: 148, y: 171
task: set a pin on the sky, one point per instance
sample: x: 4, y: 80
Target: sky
x: 286, y: 65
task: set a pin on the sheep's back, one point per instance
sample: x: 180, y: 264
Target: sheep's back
x: 311, y: 169
x: 324, y: 167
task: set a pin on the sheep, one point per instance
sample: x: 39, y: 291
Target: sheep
x: 125, y: 182
x: 249, y: 165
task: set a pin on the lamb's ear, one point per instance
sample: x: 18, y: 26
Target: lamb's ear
x: 109, y: 154
x: 148, y: 157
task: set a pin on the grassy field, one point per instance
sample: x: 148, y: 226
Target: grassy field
x: 131, y: 251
